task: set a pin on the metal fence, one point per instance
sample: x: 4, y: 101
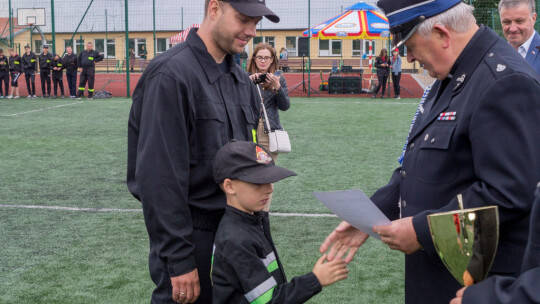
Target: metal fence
x: 123, y: 30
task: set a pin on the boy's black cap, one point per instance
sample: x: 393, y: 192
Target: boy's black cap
x: 27, y: 46
x: 248, y: 162
x: 253, y: 8
x: 45, y: 46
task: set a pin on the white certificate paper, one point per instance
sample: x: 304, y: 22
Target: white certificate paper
x: 354, y: 207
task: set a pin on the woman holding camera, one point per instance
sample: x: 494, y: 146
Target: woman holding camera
x: 263, y: 67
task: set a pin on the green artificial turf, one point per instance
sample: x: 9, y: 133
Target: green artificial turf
x: 70, y: 154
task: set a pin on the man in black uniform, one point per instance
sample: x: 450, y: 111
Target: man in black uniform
x: 4, y: 74
x: 15, y: 71
x: 476, y: 135
x: 86, y: 62
x: 190, y: 101
x: 45, y: 59
x: 57, y: 75
x: 70, y: 64
x: 29, y: 66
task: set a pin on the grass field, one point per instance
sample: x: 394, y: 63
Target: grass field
x: 73, y: 154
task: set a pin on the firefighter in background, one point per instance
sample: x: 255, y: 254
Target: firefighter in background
x: 86, y: 62
x: 70, y: 64
x: 29, y: 67
x: 15, y: 71
x: 4, y: 74
x: 45, y: 59
x: 57, y: 75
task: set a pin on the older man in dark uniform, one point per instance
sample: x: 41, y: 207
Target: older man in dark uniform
x: 523, y: 289
x: 190, y: 101
x: 475, y: 135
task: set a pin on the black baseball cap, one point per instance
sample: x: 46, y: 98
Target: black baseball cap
x: 405, y: 16
x: 45, y: 46
x: 253, y: 8
x: 248, y: 162
x: 27, y: 46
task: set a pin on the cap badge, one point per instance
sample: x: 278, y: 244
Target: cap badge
x: 501, y: 67
x: 262, y: 156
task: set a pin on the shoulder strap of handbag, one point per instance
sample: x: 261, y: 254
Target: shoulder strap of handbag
x: 264, y: 109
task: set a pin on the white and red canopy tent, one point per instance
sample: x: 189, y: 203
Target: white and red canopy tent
x: 181, y: 37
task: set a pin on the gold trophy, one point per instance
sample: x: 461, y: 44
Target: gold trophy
x: 466, y: 241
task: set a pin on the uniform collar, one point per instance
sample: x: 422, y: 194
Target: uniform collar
x: 209, y: 65
x: 252, y: 219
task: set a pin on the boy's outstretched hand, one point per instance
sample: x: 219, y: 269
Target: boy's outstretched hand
x: 330, y: 272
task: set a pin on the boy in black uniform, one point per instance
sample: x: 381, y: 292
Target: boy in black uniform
x: 29, y: 67
x: 4, y: 74
x: 57, y: 75
x: 70, y: 64
x: 15, y: 71
x: 45, y: 59
x: 86, y: 62
x: 245, y: 264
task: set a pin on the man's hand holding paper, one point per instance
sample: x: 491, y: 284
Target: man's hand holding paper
x: 399, y: 235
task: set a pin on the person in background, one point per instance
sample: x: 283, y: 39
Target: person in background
x: 131, y: 59
x: 29, y: 67
x: 190, y: 101
x: 15, y: 71
x: 87, y: 65
x: 284, y: 55
x: 274, y: 90
x: 396, y: 73
x: 70, y: 64
x: 4, y: 74
x: 57, y: 75
x: 143, y: 55
x: 45, y: 59
x: 382, y: 63
x: 274, y: 93
x: 518, y: 18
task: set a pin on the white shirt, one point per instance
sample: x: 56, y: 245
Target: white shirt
x: 524, y: 48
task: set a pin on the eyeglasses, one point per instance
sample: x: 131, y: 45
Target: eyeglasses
x: 261, y: 58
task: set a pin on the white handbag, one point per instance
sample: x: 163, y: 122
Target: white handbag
x: 278, y: 139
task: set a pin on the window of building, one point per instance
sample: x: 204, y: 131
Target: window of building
x: 38, y: 46
x: 162, y: 45
x: 290, y: 45
x: 109, y: 51
x: 329, y: 47
x: 79, y: 45
x: 366, y: 48
x: 137, y: 44
x: 259, y: 39
x: 357, y: 48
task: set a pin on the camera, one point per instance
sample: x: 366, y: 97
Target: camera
x: 261, y: 79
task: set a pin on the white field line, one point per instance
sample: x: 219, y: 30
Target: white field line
x: 44, y: 109
x: 61, y: 208
x: 359, y: 102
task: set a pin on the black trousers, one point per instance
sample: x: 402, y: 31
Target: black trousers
x: 382, y: 82
x: 4, y: 79
x: 87, y: 74
x: 204, y: 242
x: 58, y: 80
x: 72, y: 82
x: 45, y: 81
x: 30, y: 76
x: 396, y: 79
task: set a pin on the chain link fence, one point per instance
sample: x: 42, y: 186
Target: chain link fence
x: 128, y: 31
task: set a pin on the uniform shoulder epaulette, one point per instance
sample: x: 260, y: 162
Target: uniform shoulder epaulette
x: 498, y: 65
